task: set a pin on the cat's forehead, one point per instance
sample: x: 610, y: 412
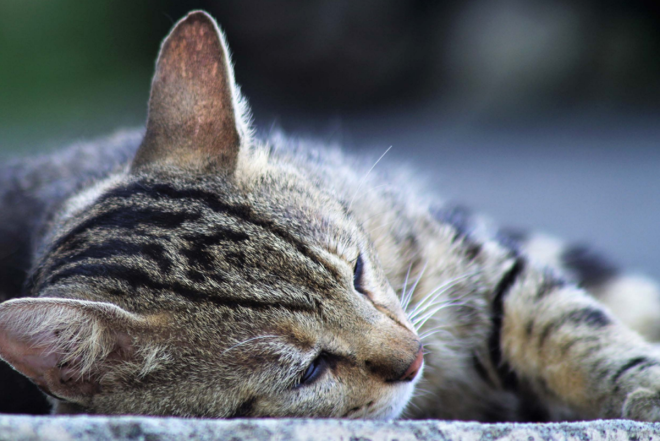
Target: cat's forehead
x: 277, y: 198
x: 201, y: 239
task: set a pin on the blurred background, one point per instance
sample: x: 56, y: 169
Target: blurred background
x: 543, y: 114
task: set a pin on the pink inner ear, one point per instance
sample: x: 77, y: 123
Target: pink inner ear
x: 30, y: 342
x: 35, y: 362
x: 124, y: 348
x: 44, y: 367
x: 192, y: 120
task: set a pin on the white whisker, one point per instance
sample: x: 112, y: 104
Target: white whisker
x: 405, y: 298
x: 419, y: 321
x: 440, y: 326
x: 428, y: 334
x: 414, y: 287
x: 363, y: 180
x: 419, y: 392
x: 431, y: 297
x: 409, y: 405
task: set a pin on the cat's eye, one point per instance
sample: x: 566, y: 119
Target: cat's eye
x: 358, y: 274
x: 314, y: 370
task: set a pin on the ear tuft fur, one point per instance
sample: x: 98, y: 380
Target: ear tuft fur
x: 64, y: 345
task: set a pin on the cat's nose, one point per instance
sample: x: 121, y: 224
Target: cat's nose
x: 393, y: 370
x: 414, y: 368
x: 396, y: 364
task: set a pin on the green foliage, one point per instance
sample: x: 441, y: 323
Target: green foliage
x: 74, y: 68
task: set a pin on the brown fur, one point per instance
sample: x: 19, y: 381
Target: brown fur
x: 205, y: 277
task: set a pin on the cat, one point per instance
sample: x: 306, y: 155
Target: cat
x: 194, y: 270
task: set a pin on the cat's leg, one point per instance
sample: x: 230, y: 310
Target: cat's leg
x: 633, y: 298
x: 540, y: 346
x: 571, y: 349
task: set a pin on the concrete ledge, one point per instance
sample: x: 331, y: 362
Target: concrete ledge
x: 24, y: 428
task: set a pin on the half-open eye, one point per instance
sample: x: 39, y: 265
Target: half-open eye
x: 358, y: 275
x: 314, y: 370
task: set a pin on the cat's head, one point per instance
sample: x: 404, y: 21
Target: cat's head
x: 207, y: 279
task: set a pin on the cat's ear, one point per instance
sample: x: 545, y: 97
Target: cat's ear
x: 195, y: 119
x: 67, y: 346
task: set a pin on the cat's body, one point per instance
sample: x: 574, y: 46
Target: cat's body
x: 197, y: 271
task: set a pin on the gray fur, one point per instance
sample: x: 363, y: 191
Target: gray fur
x: 200, y: 286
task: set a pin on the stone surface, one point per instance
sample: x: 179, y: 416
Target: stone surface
x: 24, y: 428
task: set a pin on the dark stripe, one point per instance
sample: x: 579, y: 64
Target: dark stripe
x: 211, y: 200
x: 457, y: 216
x: 347, y: 413
x: 220, y: 235
x: 199, y: 254
x: 127, y: 218
x: 460, y: 219
x: 531, y: 409
x: 529, y: 328
x: 590, y: 268
x: 480, y: 369
x: 245, y: 409
x: 504, y: 371
x: 157, y: 253
x: 639, y: 362
x: 589, y: 316
x: 549, y: 285
x: 472, y: 249
x: 137, y: 278
x: 494, y: 413
x: 533, y: 399
x: 547, y: 330
x: 115, y: 247
x: 236, y: 259
x: 196, y: 276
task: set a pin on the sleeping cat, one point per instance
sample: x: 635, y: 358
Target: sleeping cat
x: 194, y: 270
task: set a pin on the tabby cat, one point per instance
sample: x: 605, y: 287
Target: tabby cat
x: 194, y: 270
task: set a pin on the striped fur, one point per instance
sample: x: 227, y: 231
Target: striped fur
x: 216, y: 274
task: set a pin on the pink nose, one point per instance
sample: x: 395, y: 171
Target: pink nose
x: 414, y: 368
